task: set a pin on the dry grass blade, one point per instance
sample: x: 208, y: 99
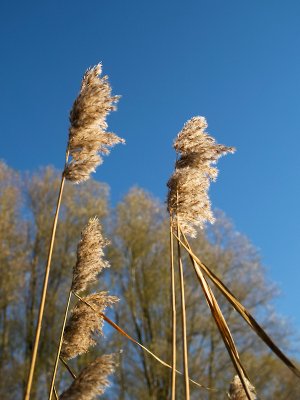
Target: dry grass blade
x: 127, y: 336
x: 242, y: 310
x: 223, y: 327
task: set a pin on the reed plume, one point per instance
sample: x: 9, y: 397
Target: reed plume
x: 87, y: 132
x: 237, y: 392
x: 189, y: 204
x: 90, y: 256
x: 92, y: 381
x: 188, y: 199
x: 84, y: 323
x: 87, y: 138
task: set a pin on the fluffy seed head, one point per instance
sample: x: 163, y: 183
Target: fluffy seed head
x: 188, y: 198
x: 90, y: 256
x: 84, y: 323
x: 87, y: 132
x: 92, y: 381
x: 237, y: 392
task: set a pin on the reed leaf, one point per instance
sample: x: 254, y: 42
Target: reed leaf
x: 222, y: 326
x: 241, y: 310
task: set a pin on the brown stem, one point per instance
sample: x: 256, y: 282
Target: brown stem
x: 183, y: 321
x: 60, y: 345
x: 44, y: 290
x: 56, y: 394
x: 68, y: 367
x: 173, y: 389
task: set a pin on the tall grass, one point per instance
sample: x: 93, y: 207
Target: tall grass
x: 87, y: 138
x: 189, y: 208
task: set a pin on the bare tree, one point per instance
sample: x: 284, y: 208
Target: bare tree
x: 139, y: 275
x: 12, y: 278
x: 140, y: 272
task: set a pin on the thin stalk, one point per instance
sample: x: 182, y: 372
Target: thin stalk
x: 56, y: 394
x: 45, y: 287
x: 68, y: 367
x: 60, y: 345
x: 173, y: 300
x: 183, y: 320
x: 127, y: 336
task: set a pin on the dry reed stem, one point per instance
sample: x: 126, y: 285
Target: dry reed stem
x: 68, y: 368
x: 59, y: 345
x: 44, y: 290
x: 173, y: 305
x: 222, y: 326
x: 245, y: 314
x: 127, y: 336
x: 55, y: 394
x: 183, y: 321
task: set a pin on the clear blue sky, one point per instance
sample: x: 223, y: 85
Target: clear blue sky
x: 235, y: 62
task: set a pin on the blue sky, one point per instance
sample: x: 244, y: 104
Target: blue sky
x: 235, y: 62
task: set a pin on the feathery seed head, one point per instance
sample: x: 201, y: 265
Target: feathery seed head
x: 93, y: 380
x: 90, y: 256
x: 237, y: 392
x: 87, y: 132
x: 188, y: 198
x: 84, y: 323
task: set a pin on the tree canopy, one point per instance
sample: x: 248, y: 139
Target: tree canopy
x: 139, y: 255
